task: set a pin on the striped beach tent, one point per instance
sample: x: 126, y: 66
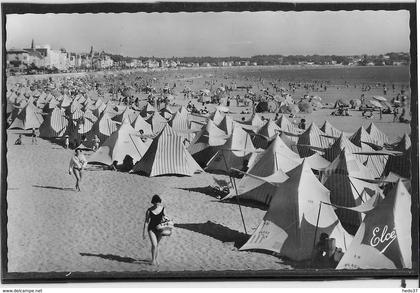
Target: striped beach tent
x: 313, y: 136
x: 286, y: 125
x: 157, y: 122
x: 235, y: 153
x: 29, y: 117
x: 294, y: 220
x: 167, y: 155
x: 123, y: 142
x: 378, y: 136
x: 342, y: 142
x: 344, y: 180
x: 400, y: 164
x: 383, y: 240
x: 181, y: 124
x: 204, y: 145
x: 54, y: 125
x: 361, y: 137
x: 330, y: 130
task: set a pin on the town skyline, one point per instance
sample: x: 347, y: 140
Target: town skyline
x: 246, y: 34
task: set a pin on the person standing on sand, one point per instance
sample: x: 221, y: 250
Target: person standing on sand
x: 154, y: 216
x: 33, y: 134
x: 77, y: 163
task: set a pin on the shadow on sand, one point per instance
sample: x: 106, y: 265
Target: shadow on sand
x: 207, y: 190
x: 117, y: 258
x: 54, y: 187
x: 217, y: 231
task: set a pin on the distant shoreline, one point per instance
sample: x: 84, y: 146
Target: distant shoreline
x: 145, y: 70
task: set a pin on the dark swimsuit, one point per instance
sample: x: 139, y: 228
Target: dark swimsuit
x: 154, y: 220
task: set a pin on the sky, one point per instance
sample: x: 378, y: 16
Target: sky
x: 243, y: 34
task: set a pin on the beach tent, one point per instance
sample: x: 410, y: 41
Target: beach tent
x: 296, y: 218
x: 342, y: 142
x: 257, y: 188
x: 147, y: 110
x: 28, y: 118
x: 362, y: 137
x: 265, y: 134
x: 400, y: 164
x: 77, y: 114
x: 102, y: 128
x: 277, y: 156
x: 313, y: 136
x: 54, y: 125
x: 99, y: 107
x: 204, y: 145
x: 181, y: 124
x: 330, y: 130
x: 255, y: 121
x: 235, y: 153
x: 378, y: 136
x: 344, y: 180
x: 140, y: 124
x: 226, y: 125
x: 125, y: 141
x: 368, y: 145
x: 128, y: 114
x: 217, y: 116
x: 383, y: 240
x: 157, y: 122
x: 65, y: 102
x: 167, y: 155
x: 166, y: 112
x: 288, y: 128
x: 80, y: 128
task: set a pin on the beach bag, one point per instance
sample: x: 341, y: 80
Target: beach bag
x: 165, y: 227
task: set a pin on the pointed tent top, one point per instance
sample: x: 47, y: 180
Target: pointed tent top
x: 404, y: 144
x: 329, y: 129
x: 347, y: 164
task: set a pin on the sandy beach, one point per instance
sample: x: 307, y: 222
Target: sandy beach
x: 51, y: 228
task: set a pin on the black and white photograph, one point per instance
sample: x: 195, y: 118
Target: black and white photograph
x: 193, y: 141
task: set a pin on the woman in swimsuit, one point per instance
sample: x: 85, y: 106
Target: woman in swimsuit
x: 154, y: 217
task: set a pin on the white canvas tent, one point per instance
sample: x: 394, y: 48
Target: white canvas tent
x: 235, y: 153
x: 297, y: 217
x: 383, y: 240
x: 125, y: 141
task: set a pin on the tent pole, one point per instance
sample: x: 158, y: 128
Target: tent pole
x: 356, y: 190
x: 232, y: 181
x: 317, y: 222
x: 135, y: 145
